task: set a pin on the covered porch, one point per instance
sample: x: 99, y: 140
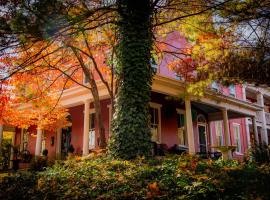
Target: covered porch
x: 186, y: 123
x: 199, y: 134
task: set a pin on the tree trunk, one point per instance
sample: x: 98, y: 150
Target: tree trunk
x: 130, y: 126
x: 97, y: 105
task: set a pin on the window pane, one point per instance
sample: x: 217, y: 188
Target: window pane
x: 92, y: 139
x: 232, y: 90
x: 181, y: 133
x: 219, y: 133
x: 154, y: 124
x: 215, y: 86
x: 92, y: 121
x: 237, y: 139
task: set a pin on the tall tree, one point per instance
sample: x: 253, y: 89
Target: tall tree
x: 131, y: 131
x: 26, y: 22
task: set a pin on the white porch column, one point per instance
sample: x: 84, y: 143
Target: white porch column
x: 1, y: 136
x: 260, y: 101
x: 226, y: 132
x: 255, y: 129
x: 58, y: 142
x: 38, y: 142
x: 248, y: 132
x: 86, y: 128
x: 189, y: 125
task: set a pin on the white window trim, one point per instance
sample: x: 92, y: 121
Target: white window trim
x: 157, y: 106
x: 21, y: 139
x: 222, y: 132
x: 91, y: 111
x: 232, y: 94
x: 206, y: 130
x: 84, y: 80
x: 215, y: 86
x: 181, y: 111
x: 43, y: 141
x: 238, y: 125
x: 211, y: 136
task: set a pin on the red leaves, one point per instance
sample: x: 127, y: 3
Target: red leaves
x: 184, y: 67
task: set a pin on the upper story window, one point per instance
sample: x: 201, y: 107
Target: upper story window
x: 215, y: 86
x: 178, y: 77
x: 154, y: 65
x: 232, y: 90
x: 85, y: 79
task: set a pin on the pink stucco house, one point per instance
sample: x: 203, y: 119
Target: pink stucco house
x: 232, y: 116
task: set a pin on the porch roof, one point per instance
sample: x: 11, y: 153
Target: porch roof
x: 212, y: 102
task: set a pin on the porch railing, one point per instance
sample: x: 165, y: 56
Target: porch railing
x: 258, y: 116
x: 267, y: 118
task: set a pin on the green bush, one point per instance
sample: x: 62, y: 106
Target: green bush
x: 19, y: 186
x: 171, y: 177
x: 261, y: 153
x: 38, y: 163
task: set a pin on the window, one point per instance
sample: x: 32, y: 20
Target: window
x: 43, y: 142
x: 178, y: 77
x: 25, y: 135
x: 155, y: 122
x: 181, y: 130
x: 85, y: 79
x: 92, y: 135
x: 237, y: 137
x: 154, y: 65
x: 232, y: 90
x: 219, y: 133
x: 201, y: 119
x: 215, y: 86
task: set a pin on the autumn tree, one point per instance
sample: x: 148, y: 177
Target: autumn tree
x: 138, y: 25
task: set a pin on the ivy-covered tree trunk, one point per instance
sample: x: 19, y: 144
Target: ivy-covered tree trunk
x: 130, y: 127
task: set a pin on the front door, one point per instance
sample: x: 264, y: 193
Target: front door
x: 202, y: 138
x: 66, y: 141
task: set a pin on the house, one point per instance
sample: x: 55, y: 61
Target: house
x: 226, y: 116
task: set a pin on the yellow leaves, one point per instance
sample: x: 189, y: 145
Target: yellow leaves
x: 40, y: 183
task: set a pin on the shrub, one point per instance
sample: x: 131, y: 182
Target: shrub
x: 261, y: 153
x: 71, y: 149
x: 170, y: 177
x: 38, y: 163
x: 45, y: 152
x: 19, y: 186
